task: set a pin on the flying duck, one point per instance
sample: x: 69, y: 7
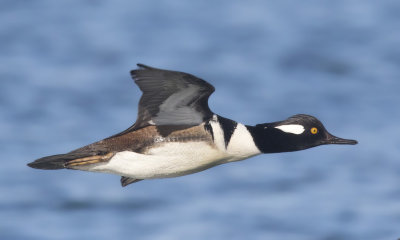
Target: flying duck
x: 176, y: 134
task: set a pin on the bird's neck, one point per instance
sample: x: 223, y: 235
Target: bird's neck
x: 268, y: 139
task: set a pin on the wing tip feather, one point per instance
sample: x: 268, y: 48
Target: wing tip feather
x: 141, y: 67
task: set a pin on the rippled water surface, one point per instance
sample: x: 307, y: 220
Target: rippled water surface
x: 64, y: 83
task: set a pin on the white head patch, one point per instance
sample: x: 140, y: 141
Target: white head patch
x: 291, y: 128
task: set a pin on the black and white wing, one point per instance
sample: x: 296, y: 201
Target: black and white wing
x: 171, y: 98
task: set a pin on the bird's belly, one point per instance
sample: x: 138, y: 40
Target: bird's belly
x: 167, y: 160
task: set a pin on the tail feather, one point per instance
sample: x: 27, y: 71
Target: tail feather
x: 70, y: 160
x: 49, y: 162
x: 55, y: 161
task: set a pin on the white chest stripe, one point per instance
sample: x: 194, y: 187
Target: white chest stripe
x: 292, y: 128
x: 242, y: 144
x: 218, y: 133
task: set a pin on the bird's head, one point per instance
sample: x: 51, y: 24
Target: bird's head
x: 295, y: 133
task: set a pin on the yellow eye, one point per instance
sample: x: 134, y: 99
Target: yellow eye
x: 314, y: 130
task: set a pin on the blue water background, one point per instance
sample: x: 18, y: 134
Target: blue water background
x: 64, y: 83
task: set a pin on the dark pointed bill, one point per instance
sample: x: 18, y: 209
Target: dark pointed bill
x: 336, y: 140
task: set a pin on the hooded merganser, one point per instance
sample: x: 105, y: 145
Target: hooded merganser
x: 176, y: 134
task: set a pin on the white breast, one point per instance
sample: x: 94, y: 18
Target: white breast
x: 241, y: 144
x: 169, y: 160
